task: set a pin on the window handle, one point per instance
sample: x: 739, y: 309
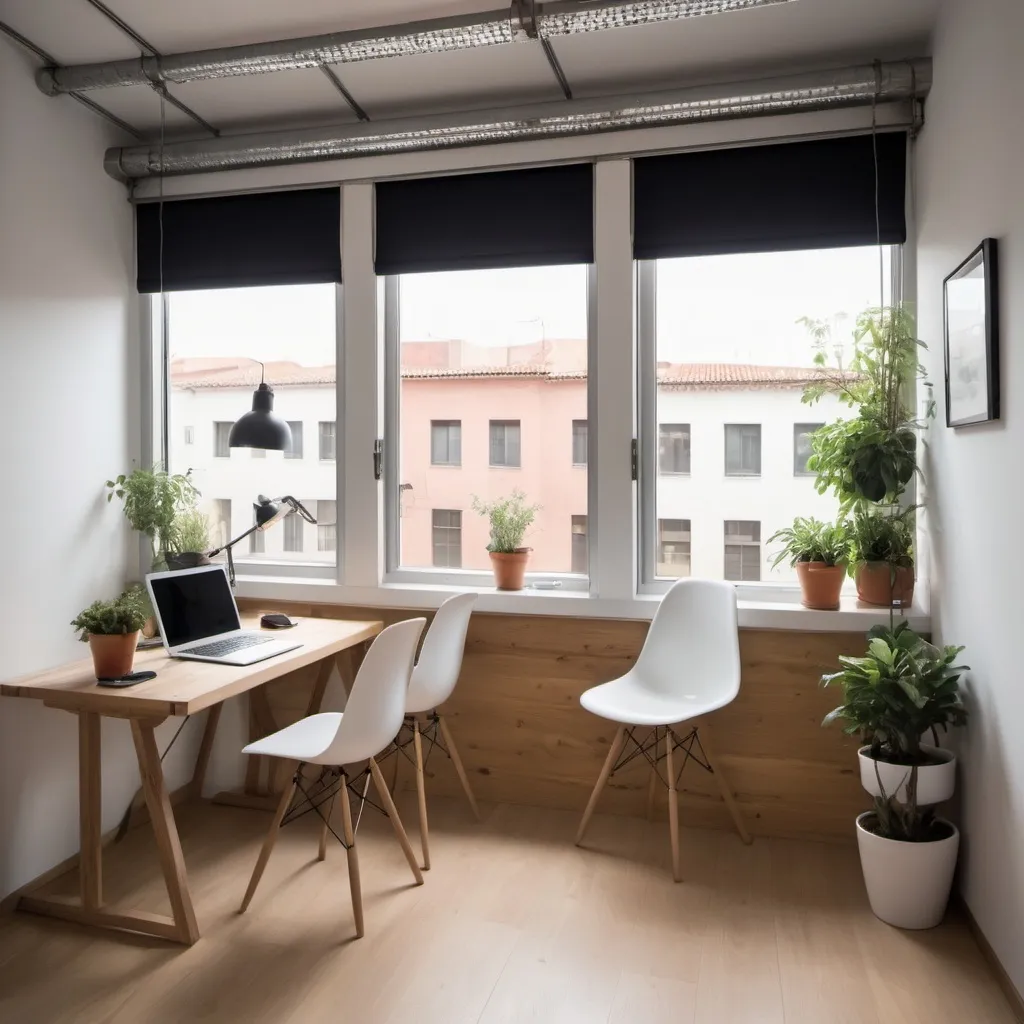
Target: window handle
x: 378, y: 457
x: 634, y: 459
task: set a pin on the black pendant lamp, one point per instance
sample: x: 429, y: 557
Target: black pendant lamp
x: 261, y: 428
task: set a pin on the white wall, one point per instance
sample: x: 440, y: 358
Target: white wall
x: 68, y: 346
x: 970, y: 184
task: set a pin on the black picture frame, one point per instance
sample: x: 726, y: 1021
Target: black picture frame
x: 971, y: 337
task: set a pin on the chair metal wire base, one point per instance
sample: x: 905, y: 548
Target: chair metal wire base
x: 324, y: 788
x: 653, y: 742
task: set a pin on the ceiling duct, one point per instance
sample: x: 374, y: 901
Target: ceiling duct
x: 856, y: 86
x: 490, y: 28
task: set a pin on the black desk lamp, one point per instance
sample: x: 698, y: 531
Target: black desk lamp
x: 267, y: 512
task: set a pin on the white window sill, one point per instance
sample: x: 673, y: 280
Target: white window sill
x: 780, y: 613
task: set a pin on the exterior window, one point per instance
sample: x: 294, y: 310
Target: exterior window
x: 190, y: 435
x: 220, y: 522
x: 221, y: 432
x: 257, y: 542
x: 673, y: 547
x: 802, y: 447
x: 445, y: 443
x: 328, y: 446
x: 258, y: 453
x: 294, y: 450
x: 293, y: 531
x: 446, y: 524
x: 674, y: 448
x: 580, y: 552
x: 326, y: 525
x: 742, y: 449
x: 579, y: 447
x: 505, y: 443
x: 742, y: 550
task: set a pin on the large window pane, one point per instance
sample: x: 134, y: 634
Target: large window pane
x: 493, y: 368
x: 732, y: 354
x: 217, y: 340
x: 580, y: 545
x: 447, y: 537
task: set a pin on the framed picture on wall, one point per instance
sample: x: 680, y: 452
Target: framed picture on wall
x: 971, y: 333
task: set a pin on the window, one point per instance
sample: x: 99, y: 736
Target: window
x: 505, y: 443
x: 293, y: 530
x: 294, y: 450
x: 326, y: 525
x: 742, y: 449
x: 802, y: 447
x: 446, y: 524
x: 579, y: 446
x: 445, y: 443
x: 221, y: 432
x: 190, y: 435
x: 673, y: 547
x: 491, y: 367
x: 720, y: 413
x: 219, y: 337
x: 674, y: 448
x: 580, y: 553
x: 742, y: 549
x: 328, y: 446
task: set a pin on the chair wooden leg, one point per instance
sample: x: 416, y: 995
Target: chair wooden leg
x: 457, y: 761
x: 706, y: 742
x: 353, y: 858
x: 395, y: 758
x: 421, y: 794
x: 322, y: 852
x: 652, y: 785
x: 673, y: 806
x: 268, y: 844
x: 606, y: 770
x: 396, y: 821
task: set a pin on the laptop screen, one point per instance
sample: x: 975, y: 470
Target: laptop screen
x: 194, y: 605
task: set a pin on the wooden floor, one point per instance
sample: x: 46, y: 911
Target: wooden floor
x: 513, y: 924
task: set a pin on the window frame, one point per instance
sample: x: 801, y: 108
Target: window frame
x: 449, y: 530
x: 290, y: 453
x: 447, y: 425
x: 797, y: 433
x: 504, y: 424
x: 393, y: 572
x: 584, y: 437
x: 689, y: 452
x: 743, y: 473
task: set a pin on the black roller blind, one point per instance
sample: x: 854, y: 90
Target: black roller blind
x: 538, y: 216
x: 239, y: 241
x: 797, y: 195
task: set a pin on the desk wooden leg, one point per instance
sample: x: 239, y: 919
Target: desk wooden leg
x: 169, y: 845
x: 205, y: 750
x: 90, y: 811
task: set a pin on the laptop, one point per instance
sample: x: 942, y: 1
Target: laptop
x: 199, y: 620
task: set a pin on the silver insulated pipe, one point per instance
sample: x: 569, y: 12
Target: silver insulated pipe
x: 846, y: 87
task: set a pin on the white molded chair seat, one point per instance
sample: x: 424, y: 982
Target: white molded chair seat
x: 305, y: 740
x: 628, y: 701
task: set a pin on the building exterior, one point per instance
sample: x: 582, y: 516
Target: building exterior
x: 478, y: 424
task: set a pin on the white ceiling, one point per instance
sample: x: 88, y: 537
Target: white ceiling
x: 800, y: 35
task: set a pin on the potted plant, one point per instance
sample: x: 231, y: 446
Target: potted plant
x: 152, y: 500
x: 112, y: 630
x: 819, y: 552
x: 509, y: 518
x: 189, y: 540
x: 883, y: 555
x: 901, y: 689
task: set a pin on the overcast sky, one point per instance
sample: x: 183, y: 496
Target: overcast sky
x: 710, y: 309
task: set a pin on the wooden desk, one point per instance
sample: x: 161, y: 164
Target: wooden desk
x: 180, y: 688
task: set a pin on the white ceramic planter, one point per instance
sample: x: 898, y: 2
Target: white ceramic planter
x: 908, y: 883
x: 935, y: 782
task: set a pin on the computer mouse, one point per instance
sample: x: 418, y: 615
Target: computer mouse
x: 275, y: 620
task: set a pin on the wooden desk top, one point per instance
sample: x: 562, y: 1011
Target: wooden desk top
x: 185, y: 687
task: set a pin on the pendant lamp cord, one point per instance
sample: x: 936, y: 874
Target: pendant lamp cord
x: 874, y: 151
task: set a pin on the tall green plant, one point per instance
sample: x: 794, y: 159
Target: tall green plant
x: 884, y: 535
x: 810, y: 540
x: 510, y: 518
x: 152, y: 499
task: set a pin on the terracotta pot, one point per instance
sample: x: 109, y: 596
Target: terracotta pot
x: 820, y: 584
x: 114, y: 655
x: 509, y: 568
x: 875, y: 584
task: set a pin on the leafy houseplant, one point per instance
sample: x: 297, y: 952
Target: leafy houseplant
x: 112, y: 631
x: 871, y: 457
x: 509, y: 518
x: 819, y: 552
x: 902, y: 688
x: 189, y: 540
x: 883, y: 555
x: 152, y: 500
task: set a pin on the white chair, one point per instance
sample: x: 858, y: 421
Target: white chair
x: 372, y: 716
x: 433, y: 680
x: 689, y: 666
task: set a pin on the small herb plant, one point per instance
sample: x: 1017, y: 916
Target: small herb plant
x: 153, y: 499
x: 810, y: 540
x: 190, y: 531
x: 510, y: 518
x: 125, y: 614
x: 884, y: 535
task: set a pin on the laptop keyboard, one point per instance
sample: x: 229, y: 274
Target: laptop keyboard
x: 227, y: 646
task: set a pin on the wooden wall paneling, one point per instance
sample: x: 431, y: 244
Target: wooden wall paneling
x: 524, y: 738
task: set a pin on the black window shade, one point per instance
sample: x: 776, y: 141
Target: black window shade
x: 796, y: 195
x: 240, y: 241
x: 541, y: 216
